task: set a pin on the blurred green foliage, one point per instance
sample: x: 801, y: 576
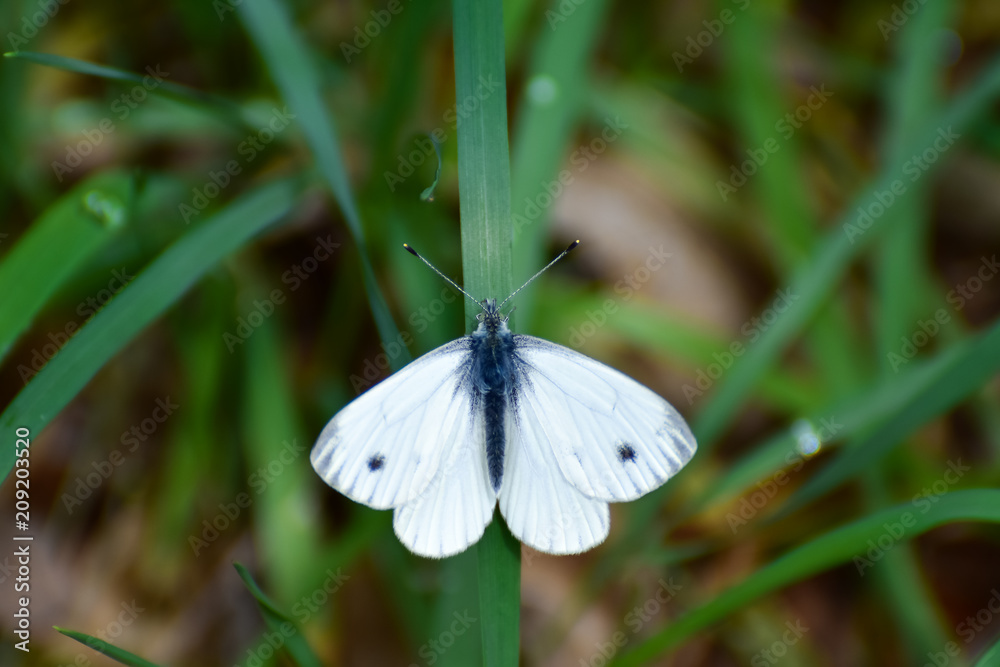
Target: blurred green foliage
x: 200, y: 261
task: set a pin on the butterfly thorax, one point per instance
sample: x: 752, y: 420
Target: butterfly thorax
x: 492, y: 352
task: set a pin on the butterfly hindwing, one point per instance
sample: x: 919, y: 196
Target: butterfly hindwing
x: 385, y: 447
x: 541, y: 508
x: 454, y: 510
x: 613, y: 439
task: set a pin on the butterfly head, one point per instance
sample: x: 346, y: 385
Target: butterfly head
x: 491, y: 320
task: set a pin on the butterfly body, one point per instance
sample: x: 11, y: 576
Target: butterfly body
x: 493, y: 370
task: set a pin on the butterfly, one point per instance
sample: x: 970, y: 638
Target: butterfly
x: 550, y: 434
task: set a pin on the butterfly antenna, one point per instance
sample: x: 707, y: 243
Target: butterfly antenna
x: 446, y: 278
x: 544, y: 269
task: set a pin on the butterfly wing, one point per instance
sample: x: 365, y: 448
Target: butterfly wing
x: 453, y: 511
x: 541, y: 508
x: 385, y: 447
x: 612, y: 438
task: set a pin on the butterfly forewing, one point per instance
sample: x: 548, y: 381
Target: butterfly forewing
x: 613, y: 438
x: 384, y: 448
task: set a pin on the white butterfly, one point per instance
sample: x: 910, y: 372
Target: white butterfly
x: 551, y: 434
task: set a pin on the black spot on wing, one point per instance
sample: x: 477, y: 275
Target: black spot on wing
x: 626, y: 452
x: 376, y: 463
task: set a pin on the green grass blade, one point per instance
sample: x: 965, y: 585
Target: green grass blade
x: 499, y: 554
x: 815, y: 281
x: 279, y: 622
x: 782, y: 186
x: 181, y: 93
x: 483, y: 152
x: 757, y: 100
x: 837, y: 421
x: 282, y: 514
x: 118, y: 654
x: 557, y: 89
x: 838, y: 546
x: 484, y: 201
x: 58, y: 243
x: 912, y: 97
x: 294, y: 72
x: 991, y: 658
x: 899, y: 582
x: 972, y: 365
x: 154, y: 290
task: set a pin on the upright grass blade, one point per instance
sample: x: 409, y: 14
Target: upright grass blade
x: 294, y: 71
x: 483, y: 152
x: 911, y: 98
x: 484, y: 202
x: 154, y: 290
x: 101, y: 646
x: 757, y: 101
x: 282, y: 515
x: 56, y: 245
x: 838, y: 546
x: 557, y: 88
x: 782, y: 186
x: 901, y: 275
